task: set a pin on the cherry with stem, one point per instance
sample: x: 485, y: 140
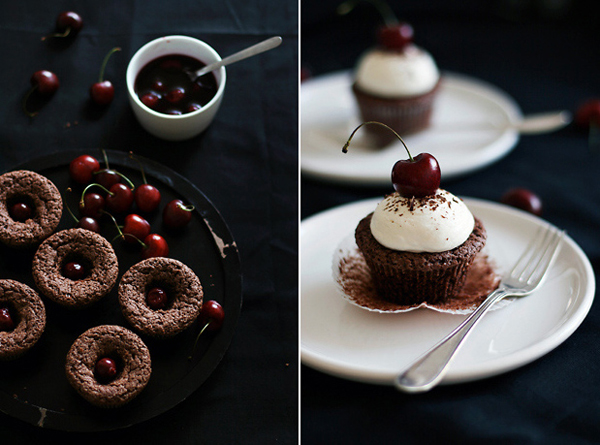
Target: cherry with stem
x: 68, y: 24
x: 176, y: 214
x: 43, y: 82
x: 85, y: 222
x: 82, y: 168
x: 211, y: 318
x: 146, y: 196
x: 103, y: 91
x: 413, y: 177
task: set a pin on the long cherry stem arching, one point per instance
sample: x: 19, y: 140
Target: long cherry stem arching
x: 347, y: 144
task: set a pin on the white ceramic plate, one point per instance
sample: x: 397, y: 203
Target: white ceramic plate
x: 344, y: 340
x: 472, y: 127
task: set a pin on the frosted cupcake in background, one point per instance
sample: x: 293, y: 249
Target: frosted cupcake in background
x: 396, y: 83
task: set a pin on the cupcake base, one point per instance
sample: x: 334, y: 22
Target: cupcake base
x: 408, y: 278
x: 405, y: 115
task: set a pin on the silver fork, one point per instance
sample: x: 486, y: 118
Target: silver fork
x: 523, y: 279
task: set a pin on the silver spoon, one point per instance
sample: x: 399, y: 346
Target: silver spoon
x: 543, y: 122
x: 253, y: 50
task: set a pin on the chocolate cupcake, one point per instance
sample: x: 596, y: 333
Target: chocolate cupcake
x: 30, y: 208
x: 160, y: 297
x: 102, y: 344
x: 395, y: 83
x: 75, y: 267
x: 22, y: 319
x: 420, y: 249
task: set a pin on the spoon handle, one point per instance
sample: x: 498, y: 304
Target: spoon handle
x: 253, y: 50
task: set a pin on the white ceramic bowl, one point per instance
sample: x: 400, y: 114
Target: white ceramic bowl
x: 174, y: 127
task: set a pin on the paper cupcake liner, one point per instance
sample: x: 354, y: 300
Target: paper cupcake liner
x: 355, y: 284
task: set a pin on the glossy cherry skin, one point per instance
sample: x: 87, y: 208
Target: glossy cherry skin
x: 176, y: 214
x: 69, y: 20
x: 21, y: 211
x: 420, y: 177
x: 147, y: 198
x: 588, y: 114
x: 45, y: 81
x: 89, y: 223
x: 120, y: 198
x: 6, y: 321
x: 135, y: 228
x: 73, y: 270
x: 175, y: 95
x: 157, y: 298
x: 106, y: 369
x: 523, y: 199
x: 102, y: 93
x: 107, y: 178
x: 93, y: 205
x: 150, y: 99
x: 155, y: 246
x: 82, y: 169
x: 395, y: 38
x: 211, y: 315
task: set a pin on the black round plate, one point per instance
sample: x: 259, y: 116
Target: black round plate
x: 34, y: 388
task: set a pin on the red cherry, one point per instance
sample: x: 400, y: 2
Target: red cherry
x: 68, y: 23
x: 6, y: 321
x: 523, y: 199
x: 174, y: 112
x: 82, y: 168
x: 155, y: 246
x: 73, y: 270
x: 106, y: 369
x: 588, y: 114
x: 21, y: 212
x: 418, y: 177
x: 135, y: 227
x: 107, y: 178
x: 89, y: 223
x: 120, y: 198
x: 211, y: 315
x: 147, y: 198
x: 175, y: 95
x: 45, y: 81
x: 102, y: 93
x: 150, y: 99
x: 395, y: 37
x: 176, y: 214
x: 193, y: 107
x: 158, y: 85
x: 156, y: 298
x: 92, y: 205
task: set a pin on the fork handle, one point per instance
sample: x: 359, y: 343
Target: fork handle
x: 429, y: 370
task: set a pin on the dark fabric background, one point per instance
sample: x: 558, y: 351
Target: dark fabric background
x: 246, y: 163
x: 545, y: 59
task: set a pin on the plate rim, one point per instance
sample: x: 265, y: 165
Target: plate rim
x: 495, y: 151
x: 491, y: 367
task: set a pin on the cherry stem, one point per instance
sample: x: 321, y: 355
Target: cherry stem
x: 69, y: 208
x: 105, y: 61
x: 121, y: 234
x: 187, y: 208
x: 347, y: 144
x: 59, y: 34
x: 131, y: 185
x: 382, y: 7
x: 29, y: 93
x: 94, y: 185
x: 198, y: 338
x: 105, y: 156
x: 141, y: 166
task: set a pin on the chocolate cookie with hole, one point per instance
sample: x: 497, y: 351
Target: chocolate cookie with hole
x: 75, y: 268
x: 30, y: 208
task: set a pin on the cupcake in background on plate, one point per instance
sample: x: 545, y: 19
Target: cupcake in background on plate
x: 396, y: 83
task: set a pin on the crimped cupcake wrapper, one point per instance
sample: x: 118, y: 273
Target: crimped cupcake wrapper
x: 411, y: 286
x: 405, y: 116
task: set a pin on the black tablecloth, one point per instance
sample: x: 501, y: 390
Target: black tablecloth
x: 545, y: 55
x: 245, y: 163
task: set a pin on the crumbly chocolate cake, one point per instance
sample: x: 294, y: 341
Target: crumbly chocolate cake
x: 87, y: 248
x: 28, y: 314
x: 43, y: 199
x: 129, y: 352
x: 181, y: 285
x: 411, y: 278
x: 405, y: 115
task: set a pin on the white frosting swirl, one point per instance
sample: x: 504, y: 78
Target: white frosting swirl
x: 396, y: 74
x: 434, y: 224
